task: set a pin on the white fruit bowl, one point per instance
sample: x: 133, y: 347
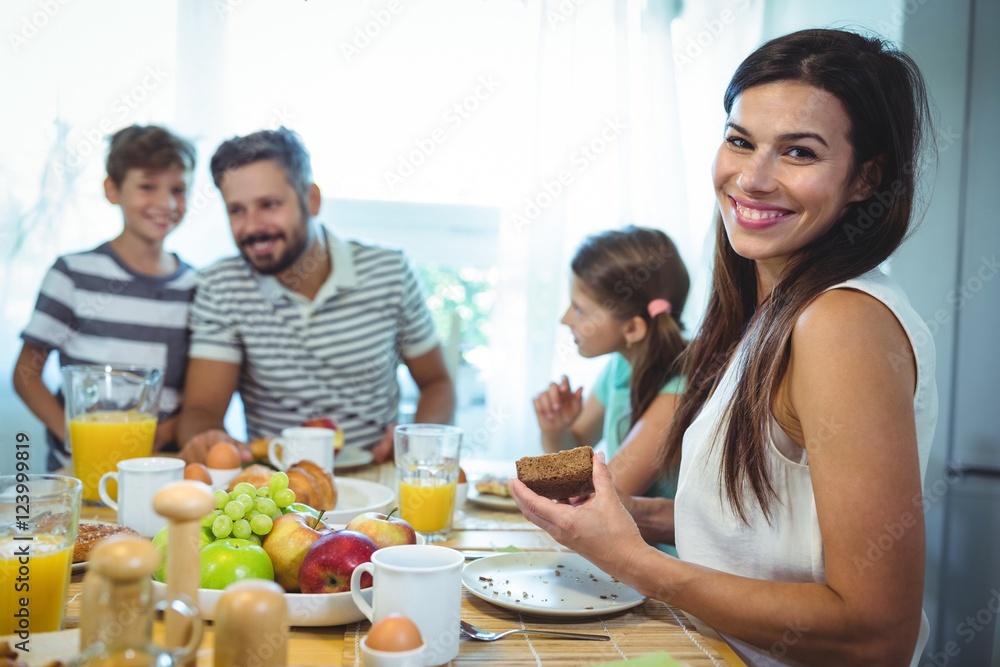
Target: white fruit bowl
x: 307, y: 610
x: 303, y: 610
x: 357, y: 496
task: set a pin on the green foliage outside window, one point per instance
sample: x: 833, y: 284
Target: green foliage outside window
x: 467, y: 291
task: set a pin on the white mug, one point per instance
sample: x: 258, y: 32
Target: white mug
x: 410, y: 579
x: 302, y: 443
x: 138, y: 481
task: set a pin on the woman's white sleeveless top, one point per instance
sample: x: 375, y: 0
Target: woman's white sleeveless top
x: 789, y: 549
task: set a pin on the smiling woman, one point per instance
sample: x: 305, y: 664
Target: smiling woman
x: 807, y: 420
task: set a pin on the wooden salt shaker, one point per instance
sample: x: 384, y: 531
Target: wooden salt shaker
x: 183, y: 504
x: 251, y: 625
x: 116, y: 592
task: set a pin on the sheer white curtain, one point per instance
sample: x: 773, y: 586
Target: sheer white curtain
x: 608, y: 151
x: 590, y: 122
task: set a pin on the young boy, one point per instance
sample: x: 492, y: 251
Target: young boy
x: 125, y: 302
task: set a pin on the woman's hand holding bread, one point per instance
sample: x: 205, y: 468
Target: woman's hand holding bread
x: 600, y: 528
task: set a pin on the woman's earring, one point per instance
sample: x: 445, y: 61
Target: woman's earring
x: 628, y: 345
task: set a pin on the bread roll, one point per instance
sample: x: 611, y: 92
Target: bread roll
x: 89, y: 534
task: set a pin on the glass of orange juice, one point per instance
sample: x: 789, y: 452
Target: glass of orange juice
x: 38, y: 517
x: 427, y: 471
x: 111, y: 416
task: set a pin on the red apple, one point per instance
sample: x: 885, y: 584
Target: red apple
x: 322, y: 422
x: 384, y: 529
x: 290, y: 537
x: 331, y: 560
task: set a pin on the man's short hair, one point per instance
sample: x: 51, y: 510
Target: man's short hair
x: 147, y: 147
x: 284, y: 146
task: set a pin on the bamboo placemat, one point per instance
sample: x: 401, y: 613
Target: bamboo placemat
x: 651, y: 627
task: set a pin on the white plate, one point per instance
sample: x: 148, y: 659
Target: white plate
x: 351, y: 457
x: 311, y: 610
x: 78, y: 567
x: 357, y: 496
x: 578, y: 590
x: 489, y: 500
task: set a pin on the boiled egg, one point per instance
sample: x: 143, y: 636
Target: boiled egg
x: 223, y: 456
x: 197, y: 472
x: 394, y: 633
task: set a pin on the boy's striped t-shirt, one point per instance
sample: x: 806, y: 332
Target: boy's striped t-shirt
x: 93, y: 309
x: 335, y: 356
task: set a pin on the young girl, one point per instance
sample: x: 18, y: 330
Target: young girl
x: 627, y: 293
x: 811, y: 403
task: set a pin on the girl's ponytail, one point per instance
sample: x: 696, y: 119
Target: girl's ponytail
x: 655, y: 362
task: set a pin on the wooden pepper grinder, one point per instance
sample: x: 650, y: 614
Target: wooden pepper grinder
x: 116, y: 593
x: 251, y: 625
x: 183, y: 505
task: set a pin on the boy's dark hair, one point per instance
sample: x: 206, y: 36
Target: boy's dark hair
x: 147, y: 147
x: 284, y: 146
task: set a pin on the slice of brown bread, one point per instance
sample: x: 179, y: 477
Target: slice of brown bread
x: 561, y: 475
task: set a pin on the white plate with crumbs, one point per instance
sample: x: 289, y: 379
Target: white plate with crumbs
x: 546, y: 583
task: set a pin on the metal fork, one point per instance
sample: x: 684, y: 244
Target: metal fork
x: 482, y: 635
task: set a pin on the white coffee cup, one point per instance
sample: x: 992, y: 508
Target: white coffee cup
x: 302, y: 443
x: 138, y: 481
x: 411, y: 579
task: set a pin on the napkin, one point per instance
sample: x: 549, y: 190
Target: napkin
x: 649, y: 660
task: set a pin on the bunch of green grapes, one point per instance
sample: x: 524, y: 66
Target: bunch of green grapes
x: 248, y: 513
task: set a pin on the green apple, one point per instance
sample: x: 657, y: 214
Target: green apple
x: 229, y: 560
x: 160, y: 542
x: 301, y: 508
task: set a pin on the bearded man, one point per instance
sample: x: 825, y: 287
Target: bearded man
x: 302, y: 324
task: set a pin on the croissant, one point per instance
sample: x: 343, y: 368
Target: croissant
x: 312, y: 484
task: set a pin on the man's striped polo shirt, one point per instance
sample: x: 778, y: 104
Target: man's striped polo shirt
x: 335, y: 356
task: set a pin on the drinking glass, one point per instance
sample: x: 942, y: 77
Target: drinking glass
x: 38, y: 518
x: 427, y: 471
x: 110, y: 416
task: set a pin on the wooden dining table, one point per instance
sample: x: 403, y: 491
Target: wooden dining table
x: 652, y: 627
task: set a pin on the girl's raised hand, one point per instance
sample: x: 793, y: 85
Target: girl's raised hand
x: 558, y: 406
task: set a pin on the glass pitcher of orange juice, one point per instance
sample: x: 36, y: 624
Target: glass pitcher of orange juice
x: 111, y: 416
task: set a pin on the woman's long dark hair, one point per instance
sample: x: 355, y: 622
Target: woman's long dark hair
x: 624, y: 270
x: 884, y: 97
